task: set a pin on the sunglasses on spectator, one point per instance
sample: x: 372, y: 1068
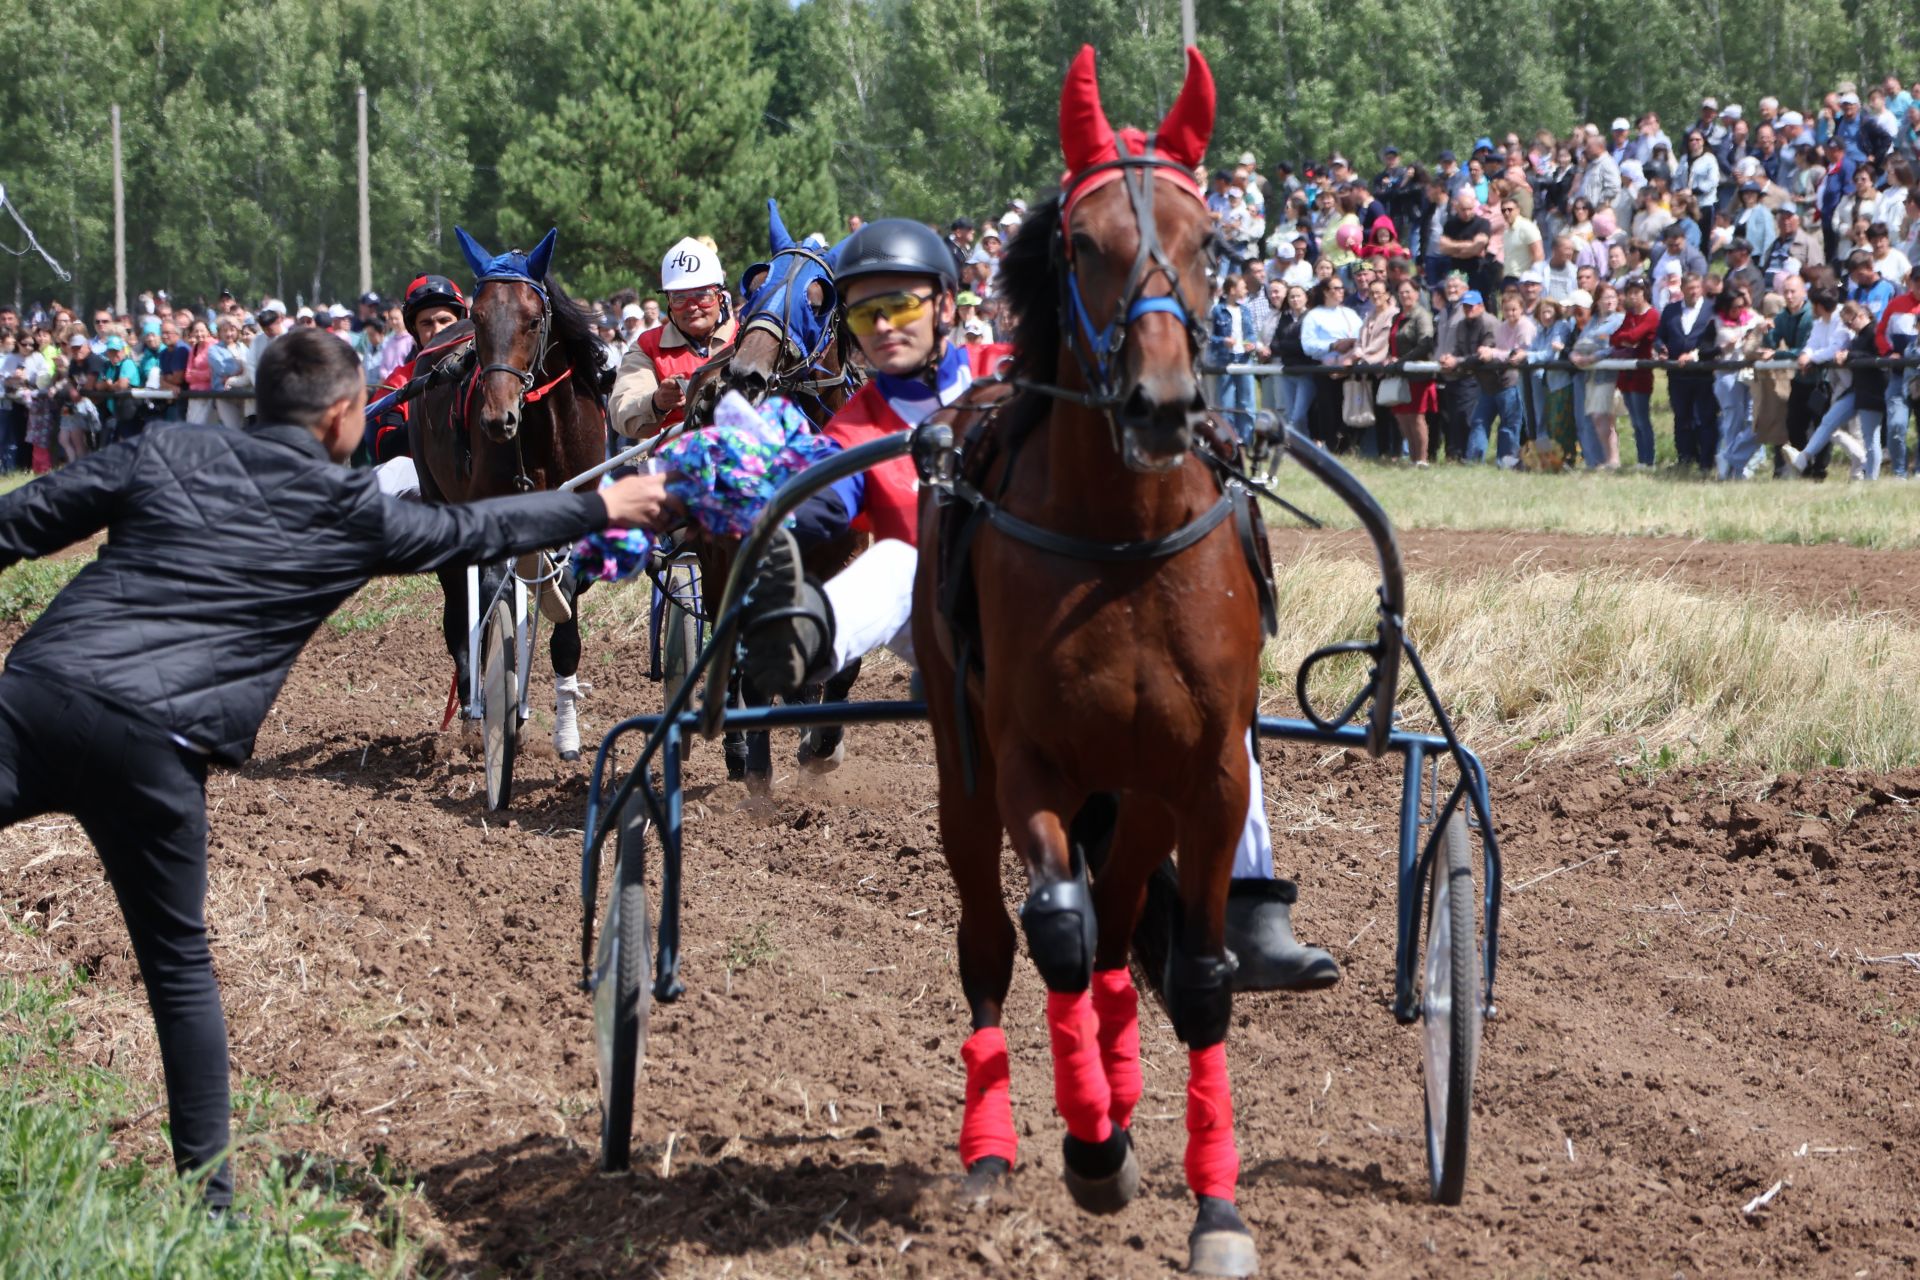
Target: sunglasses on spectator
x: 900, y: 310
x: 692, y: 297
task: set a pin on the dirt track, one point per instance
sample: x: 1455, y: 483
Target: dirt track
x: 1685, y: 1016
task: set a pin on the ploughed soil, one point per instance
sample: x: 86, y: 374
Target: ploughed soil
x: 1700, y: 997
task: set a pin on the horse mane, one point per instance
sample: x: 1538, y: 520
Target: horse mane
x: 1030, y: 285
x: 573, y: 333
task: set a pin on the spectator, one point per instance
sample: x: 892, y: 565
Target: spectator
x: 1688, y: 334
x: 1675, y: 246
x: 1397, y: 188
x: 229, y: 370
x: 1560, y: 274
x: 1865, y: 286
x: 1600, y: 443
x: 1853, y: 390
x: 1634, y: 340
x: 1889, y: 263
x: 1794, y: 247
x: 960, y: 242
x: 1896, y: 336
x: 1788, y: 335
x: 1412, y: 339
x: 1466, y: 237
x: 1232, y: 342
x: 1500, y: 395
x: 199, y: 371
x: 1752, y: 221
x: 1296, y: 390
x: 1521, y: 244
x: 1375, y: 347
x: 1328, y: 335
x: 1741, y: 271
x: 1739, y: 330
x: 1557, y: 439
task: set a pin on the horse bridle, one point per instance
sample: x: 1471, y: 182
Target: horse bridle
x: 1096, y: 351
x: 526, y: 377
x: 809, y: 361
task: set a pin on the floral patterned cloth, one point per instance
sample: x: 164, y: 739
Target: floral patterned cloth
x: 726, y: 475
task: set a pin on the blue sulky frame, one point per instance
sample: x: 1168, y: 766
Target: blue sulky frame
x: 1423, y: 805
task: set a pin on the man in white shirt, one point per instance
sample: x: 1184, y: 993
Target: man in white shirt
x: 1562, y: 272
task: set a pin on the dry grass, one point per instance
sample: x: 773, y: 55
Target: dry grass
x: 1563, y: 661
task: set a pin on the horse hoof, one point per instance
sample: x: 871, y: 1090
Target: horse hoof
x: 1220, y: 1244
x: 814, y: 763
x: 1109, y: 1174
x: 570, y: 755
x: 983, y: 1178
x: 758, y: 783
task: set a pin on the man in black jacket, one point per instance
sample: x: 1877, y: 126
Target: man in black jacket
x: 225, y: 550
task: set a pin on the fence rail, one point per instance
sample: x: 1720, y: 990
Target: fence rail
x: 1433, y: 369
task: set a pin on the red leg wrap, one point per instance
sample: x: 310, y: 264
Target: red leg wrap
x: 987, y: 1128
x: 1079, y: 1081
x: 1213, y: 1161
x: 1118, y: 1007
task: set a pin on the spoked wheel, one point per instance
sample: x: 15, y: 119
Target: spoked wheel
x: 499, y: 704
x: 623, y: 990
x: 1450, y: 1009
x: 680, y: 646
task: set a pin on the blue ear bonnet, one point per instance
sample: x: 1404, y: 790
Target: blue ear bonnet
x: 527, y: 268
x: 791, y: 271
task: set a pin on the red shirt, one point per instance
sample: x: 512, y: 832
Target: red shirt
x: 891, y: 506
x: 1633, y: 340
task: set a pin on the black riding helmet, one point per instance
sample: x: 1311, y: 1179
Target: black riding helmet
x: 895, y: 246
x: 432, y: 291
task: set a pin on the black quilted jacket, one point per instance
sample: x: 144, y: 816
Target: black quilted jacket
x: 225, y: 550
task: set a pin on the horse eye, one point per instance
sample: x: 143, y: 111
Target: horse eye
x: 1083, y: 243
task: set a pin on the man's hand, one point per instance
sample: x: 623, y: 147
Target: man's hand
x: 669, y: 395
x: 641, y: 501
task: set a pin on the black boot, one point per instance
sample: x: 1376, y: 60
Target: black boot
x: 1260, y: 935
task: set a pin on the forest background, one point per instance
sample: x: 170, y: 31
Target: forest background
x: 628, y: 123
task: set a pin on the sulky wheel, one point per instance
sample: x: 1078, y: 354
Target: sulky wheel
x: 623, y: 990
x: 499, y: 703
x: 1450, y: 1009
x: 680, y: 646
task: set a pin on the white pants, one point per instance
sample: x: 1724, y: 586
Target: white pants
x: 872, y: 601
x: 398, y: 478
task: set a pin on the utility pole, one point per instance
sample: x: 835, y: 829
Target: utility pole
x: 366, y: 215
x: 1186, y: 24
x: 119, y: 222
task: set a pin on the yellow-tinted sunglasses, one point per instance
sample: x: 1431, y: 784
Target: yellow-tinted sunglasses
x: 900, y: 309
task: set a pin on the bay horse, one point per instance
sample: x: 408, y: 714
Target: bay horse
x: 789, y: 342
x: 1110, y: 648
x: 527, y: 417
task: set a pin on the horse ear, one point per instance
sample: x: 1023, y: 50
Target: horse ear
x: 1085, y: 136
x: 542, y: 254
x: 1184, y: 134
x: 777, y: 237
x: 477, y: 258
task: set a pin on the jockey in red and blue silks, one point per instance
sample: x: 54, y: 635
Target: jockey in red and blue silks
x: 432, y: 303
x: 896, y: 282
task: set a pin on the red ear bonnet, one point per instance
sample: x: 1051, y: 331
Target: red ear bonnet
x: 1087, y: 139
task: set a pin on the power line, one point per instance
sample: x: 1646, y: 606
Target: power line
x: 33, y: 242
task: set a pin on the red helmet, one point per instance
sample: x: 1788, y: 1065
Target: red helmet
x: 432, y: 291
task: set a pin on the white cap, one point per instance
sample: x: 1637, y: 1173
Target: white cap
x: 1535, y: 274
x: 1580, y: 298
x: 1246, y: 158
x: 1010, y: 218
x: 1620, y: 124
x: 1849, y: 99
x: 1283, y: 250
x: 1733, y: 112
x: 1792, y: 118
x: 339, y: 311
x: 304, y: 313
x: 979, y: 328
x: 1236, y: 192
x: 690, y: 265
x: 631, y: 312
x: 1017, y: 205
x: 272, y: 304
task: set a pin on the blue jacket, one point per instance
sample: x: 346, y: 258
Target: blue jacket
x: 1674, y: 339
x: 1220, y: 330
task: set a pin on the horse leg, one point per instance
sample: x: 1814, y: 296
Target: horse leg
x: 1102, y: 1172
x: 824, y: 749
x: 1200, y: 1002
x: 1141, y: 836
x: 734, y: 742
x: 984, y: 941
x: 453, y: 626
x: 759, y: 743
x: 564, y: 648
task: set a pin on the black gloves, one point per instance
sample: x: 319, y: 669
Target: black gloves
x: 787, y: 629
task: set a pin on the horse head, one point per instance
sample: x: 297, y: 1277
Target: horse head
x: 786, y: 333
x: 512, y: 323
x: 1135, y: 266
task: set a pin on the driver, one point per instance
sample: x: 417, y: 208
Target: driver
x: 432, y: 304
x: 650, y: 393
x: 896, y: 280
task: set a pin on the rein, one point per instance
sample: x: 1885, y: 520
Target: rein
x: 529, y: 394
x: 806, y: 375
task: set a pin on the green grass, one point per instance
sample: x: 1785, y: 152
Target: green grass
x: 1884, y: 515
x: 80, y: 1201
x: 385, y: 599
x: 29, y: 587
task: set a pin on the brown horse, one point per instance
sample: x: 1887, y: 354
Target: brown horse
x: 789, y: 342
x: 1111, y: 647
x: 528, y: 417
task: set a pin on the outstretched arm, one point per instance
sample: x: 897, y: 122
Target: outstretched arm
x: 60, y: 509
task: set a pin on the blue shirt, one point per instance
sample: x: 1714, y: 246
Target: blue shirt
x: 1875, y: 296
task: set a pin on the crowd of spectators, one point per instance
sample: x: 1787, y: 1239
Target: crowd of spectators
x: 1775, y: 233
